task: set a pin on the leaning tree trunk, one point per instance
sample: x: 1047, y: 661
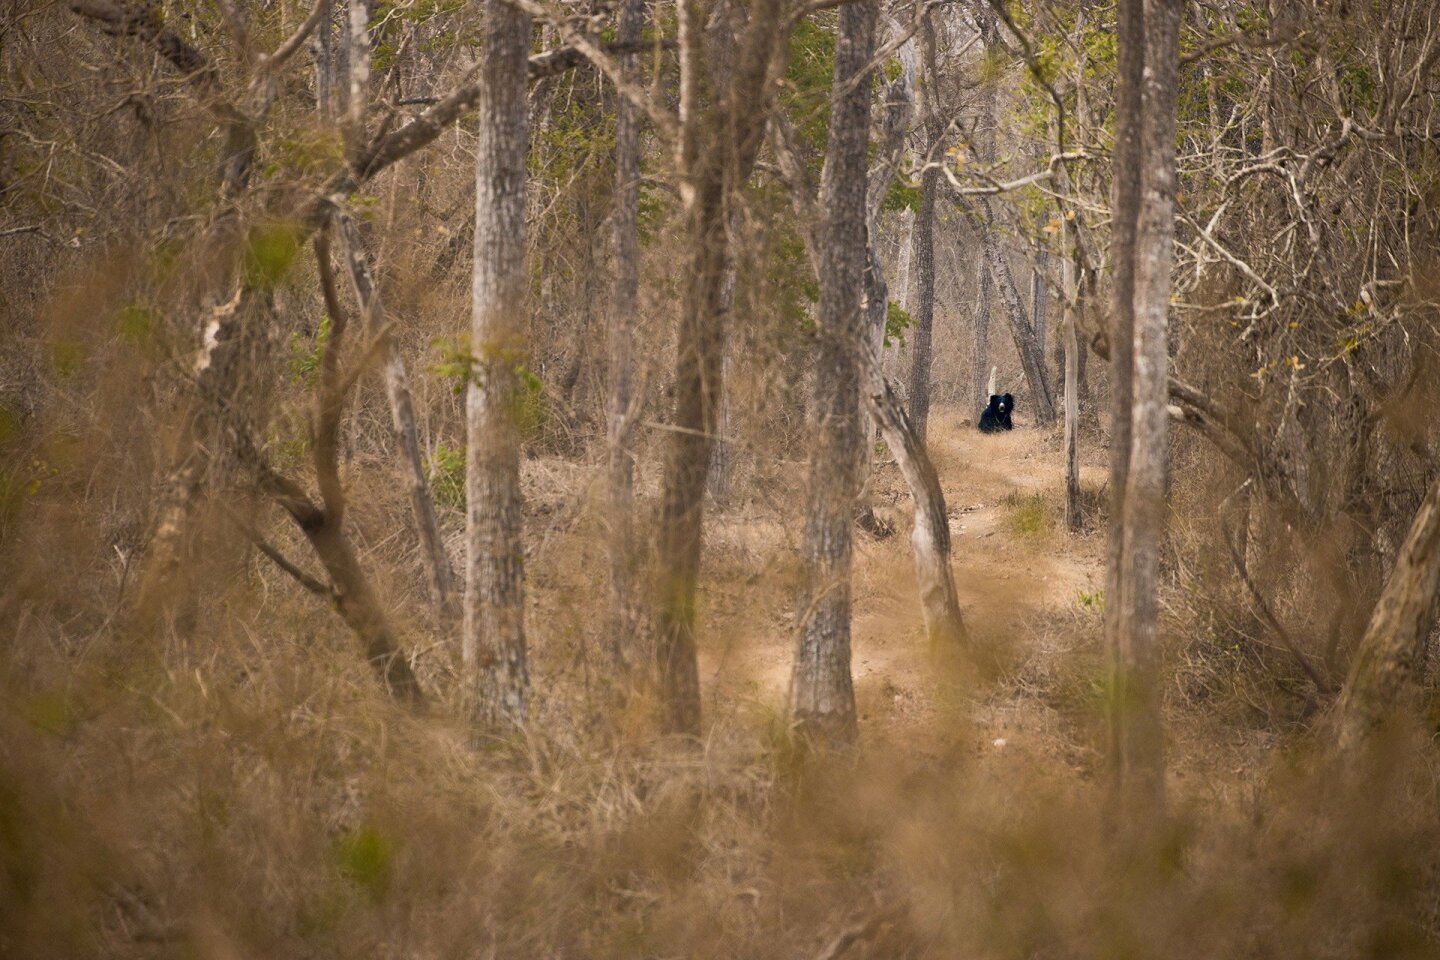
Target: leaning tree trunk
x: 1381, y: 673
x: 496, y: 680
x: 930, y: 539
x: 402, y: 420
x: 1031, y: 351
x: 822, y: 697
x: 1142, y: 251
x: 623, y: 342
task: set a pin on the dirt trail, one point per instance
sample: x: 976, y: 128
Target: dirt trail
x: 1005, y: 574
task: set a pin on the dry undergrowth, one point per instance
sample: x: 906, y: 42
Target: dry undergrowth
x: 235, y: 786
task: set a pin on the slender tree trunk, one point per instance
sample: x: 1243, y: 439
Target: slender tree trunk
x: 922, y: 351
x: 822, y: 698
x: 622, y: 347
x: 705, y: 170
x: 1073, y: 516
x: 1394, y: 642
x: 921, y: 340
x: 1038, y: 298
x: 494, y: 629
x: 722, y: 454
x: 980, y: 357
x: 1141, y: 251
x: 402, y: 420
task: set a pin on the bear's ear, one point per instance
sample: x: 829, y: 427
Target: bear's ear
x: 1009, y: 400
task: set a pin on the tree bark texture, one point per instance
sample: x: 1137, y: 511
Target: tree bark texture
x: 1385, y: 662
x: 705, y: 171
x: 1141, y: 252
x: 494, y: 623
x: 922, y: 350
x: 621, y: 408
x: 822, y: 696
x: 923, y: 257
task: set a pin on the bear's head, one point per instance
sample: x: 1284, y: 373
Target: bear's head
x: 1007, y: 404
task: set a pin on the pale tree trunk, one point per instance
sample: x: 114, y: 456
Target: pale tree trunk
x: 980, y: 355
x: 984, y: 144
x: 402, y: 421
x: 907, y: 245
x: 1393, y: 645
x: 622, y: 346
x: 922, y: 352
x: 1038, y: 298
x: 1074, y: 518
x: 922, y: 331
x: 822, y: 697
x: 930, y: 539
x: 496, y: 680
x: 1141, y: 252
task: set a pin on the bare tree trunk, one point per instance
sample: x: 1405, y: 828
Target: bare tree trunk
x: 922, y: 352
x: 705, y: 170
x: 1031, y: 351
x: 980, y: 357
x: 1385, y: 663
x: 494, y: 630
x: 1038, y: 298
x: 822, y: 697
x: 944, y: 625
x: 1141, y: 251
x: 622, y: 346
x: 402, y: 419
x: 1073, y: 516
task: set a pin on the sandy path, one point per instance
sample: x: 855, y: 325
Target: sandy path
x: 1004, y: 578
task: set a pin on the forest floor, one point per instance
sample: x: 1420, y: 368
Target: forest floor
x: 1015, y: 569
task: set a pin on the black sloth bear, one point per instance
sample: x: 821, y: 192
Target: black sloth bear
x: 997, y: 415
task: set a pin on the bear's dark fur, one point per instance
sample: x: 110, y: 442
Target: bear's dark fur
x: 997, y: 414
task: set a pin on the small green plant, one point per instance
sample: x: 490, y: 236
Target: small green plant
x: 1092, y: 600
x: 529, y: 408
x: 305, y: 353
x: 364, y: 857
x: 1030, y: 516
x: 897, y: 321
x: 447, y: 475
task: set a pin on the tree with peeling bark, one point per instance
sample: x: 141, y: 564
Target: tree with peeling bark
x: 1143, y: 236
x: 497, y: 678
x: 822, y: 696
